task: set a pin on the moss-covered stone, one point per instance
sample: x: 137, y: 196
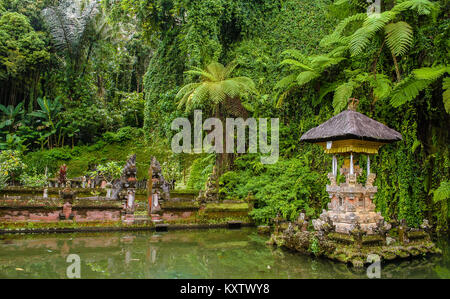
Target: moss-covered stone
x: 343, y: 248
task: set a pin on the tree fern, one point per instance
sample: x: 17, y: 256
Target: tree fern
x: 68, y: 23
x: 407, y: 90
x: 215, y: 88
x: 399, y: 37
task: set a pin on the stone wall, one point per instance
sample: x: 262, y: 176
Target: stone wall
x: 18, y: 209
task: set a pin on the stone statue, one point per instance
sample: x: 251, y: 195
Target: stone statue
x: 125, y: 188
x: 332, y: 178
x: 370, y: 179
x: 158, y: 188
x: 211, y: 191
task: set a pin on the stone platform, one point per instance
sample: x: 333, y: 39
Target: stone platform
x: 356, y: 248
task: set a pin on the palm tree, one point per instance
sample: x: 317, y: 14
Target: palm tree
x: 218, y: 91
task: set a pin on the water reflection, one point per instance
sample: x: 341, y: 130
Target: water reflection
x: 184, y: 254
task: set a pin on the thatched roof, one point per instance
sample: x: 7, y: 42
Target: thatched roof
x: 350, y: 124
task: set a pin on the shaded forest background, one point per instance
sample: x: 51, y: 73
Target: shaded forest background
x: 89, y: 82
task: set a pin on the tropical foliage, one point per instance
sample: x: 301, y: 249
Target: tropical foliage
x: 88, y: 82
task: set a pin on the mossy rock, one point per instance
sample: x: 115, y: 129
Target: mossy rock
x: 388, y: 255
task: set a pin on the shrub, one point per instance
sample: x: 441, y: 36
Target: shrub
x: 33, y: 180
x: 287, y: 187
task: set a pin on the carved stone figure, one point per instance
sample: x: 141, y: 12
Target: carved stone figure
x: 370, y: 179
x: 124, y: 188
x: 211, y: 192
x: 158, y: 188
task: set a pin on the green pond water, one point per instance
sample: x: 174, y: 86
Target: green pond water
x: 215, y: 253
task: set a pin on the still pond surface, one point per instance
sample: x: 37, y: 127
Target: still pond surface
x: 216, y: 253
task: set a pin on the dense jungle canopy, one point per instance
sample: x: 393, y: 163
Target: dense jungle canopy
x: 88, y: 82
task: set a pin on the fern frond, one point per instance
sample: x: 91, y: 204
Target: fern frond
x: 285, y: 82
x: 305, y: 77
x: 322, y: 61
x: 431, y: 73
x: 341, y: 95
x: 361, y: 37
x: 230, y: 68
x: 336, y: 36
x: 399, y: 37
x: 407, y: 90
x: 443, y: 192
x: 297, y: 55
x: 382, y: 86
x: 338, y: 51
x: 203, y: 74
x: 296, y: 64
x: 423, y: 7
x: 281, y: 98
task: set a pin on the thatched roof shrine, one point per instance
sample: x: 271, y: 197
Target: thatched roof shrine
x: 350, y: 124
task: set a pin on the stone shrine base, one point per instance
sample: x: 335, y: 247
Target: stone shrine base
x: 354, y: 250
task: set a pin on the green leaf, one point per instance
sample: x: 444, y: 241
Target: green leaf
x: 407, y: 90
x: 341, y: 95
x: 399, y: 37
x: 443, y: 192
